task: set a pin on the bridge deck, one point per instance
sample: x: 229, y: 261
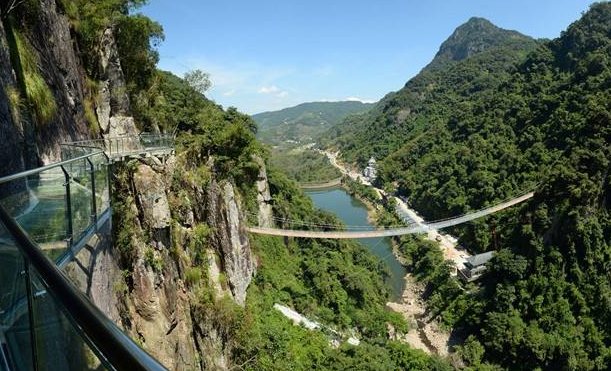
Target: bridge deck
x: 121, y: 148
x: 329, y: 184
x: 393, y: 231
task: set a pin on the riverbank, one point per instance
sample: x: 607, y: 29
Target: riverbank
x: 424, y: 333
x: 372, y: 209
x: 354, y: 212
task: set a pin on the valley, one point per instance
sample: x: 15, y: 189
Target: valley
x: 147, y: 223
x: 476, y: 127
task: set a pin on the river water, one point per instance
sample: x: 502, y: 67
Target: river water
x: 353, y: 212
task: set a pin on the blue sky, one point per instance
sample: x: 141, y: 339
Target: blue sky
x: 269, y: 54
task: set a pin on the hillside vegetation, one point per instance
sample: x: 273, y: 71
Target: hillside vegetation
x: 517, y: 115
x: 335, y: 282
x: 304, y: 122
x: 471, y: 62
x: 304, y: 165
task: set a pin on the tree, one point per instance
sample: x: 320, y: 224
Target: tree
x: 198, y: 80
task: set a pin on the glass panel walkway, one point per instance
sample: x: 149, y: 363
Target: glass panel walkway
x: 145, y: 144
x: 46, y: 216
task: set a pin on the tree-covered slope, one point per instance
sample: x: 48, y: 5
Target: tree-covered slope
x: 545, y: 303
x: 472, y: 61
x: 304, y: 121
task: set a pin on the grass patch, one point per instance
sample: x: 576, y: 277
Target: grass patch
x: 91, y: 117
x: 193, y: 275
x: 38, y: 94
x: 154, y: 261
x: 16, y: 103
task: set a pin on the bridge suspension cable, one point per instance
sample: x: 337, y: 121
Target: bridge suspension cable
x: 333, y: 226
x: 395, y: 231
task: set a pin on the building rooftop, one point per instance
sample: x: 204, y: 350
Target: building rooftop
x: 480, y: 259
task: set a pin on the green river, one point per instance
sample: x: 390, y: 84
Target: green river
x: 353, y: 212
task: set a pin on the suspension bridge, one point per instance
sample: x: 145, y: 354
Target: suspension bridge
x: 415, y: 227
x: 321, y: 185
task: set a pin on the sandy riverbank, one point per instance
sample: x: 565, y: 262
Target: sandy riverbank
x: 424, y: 333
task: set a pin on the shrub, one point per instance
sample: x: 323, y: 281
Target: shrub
x: 91, y: 117
x: 193, y: 275
x: 154, y: 261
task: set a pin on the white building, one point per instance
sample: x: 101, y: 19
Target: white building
x: 370, y: 171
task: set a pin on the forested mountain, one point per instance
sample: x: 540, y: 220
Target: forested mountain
x: 473, y: 60
x: 494, y: 113
x: 305, y: 121
x: 470, y: 137
x: 179, y: 273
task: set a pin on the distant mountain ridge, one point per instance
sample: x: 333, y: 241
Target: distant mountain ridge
x: 477, y: 56
x: 473, y: 37
x: 304, y: 121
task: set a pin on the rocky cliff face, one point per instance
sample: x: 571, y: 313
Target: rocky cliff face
x: 230, y: 239
x: 113, y: 109
x: 179, y: 252
x: 60, y: 66
x: 27, y: 140
x: 264, y: 198
x: 11, y: 130
x: 188, y: 251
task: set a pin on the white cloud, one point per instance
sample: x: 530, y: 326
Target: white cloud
x: 355, y: 99
x: 282, y: 94
x: 229, y: 93
x: 245, y: 78
x: 268, y: 89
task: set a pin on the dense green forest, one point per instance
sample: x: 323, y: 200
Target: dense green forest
x: 303, y: 164
x: 336, y: 281
x: 304, y: 122
x: 495, y: 113
x: 486, y: 128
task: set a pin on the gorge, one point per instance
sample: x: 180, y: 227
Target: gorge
x: 155, y: 245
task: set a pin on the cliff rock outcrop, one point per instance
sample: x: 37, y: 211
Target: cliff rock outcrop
x: 230, y: 239
x: 55, y: 60
x: 113, y: 109
x: 264, y: 198
x: 188, y: 250
x: 11, y: 130
x: 60, y: 66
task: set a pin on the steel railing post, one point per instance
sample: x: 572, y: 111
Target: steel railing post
x: 30, y: 300
x: 108, y: 184
x: 69, y: 226
x: 94, y: 211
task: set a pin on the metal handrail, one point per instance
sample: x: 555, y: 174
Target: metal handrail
x: 106, y: 139
x: 37, y: 170
x: 115, y: 346
x: 120, y: 146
